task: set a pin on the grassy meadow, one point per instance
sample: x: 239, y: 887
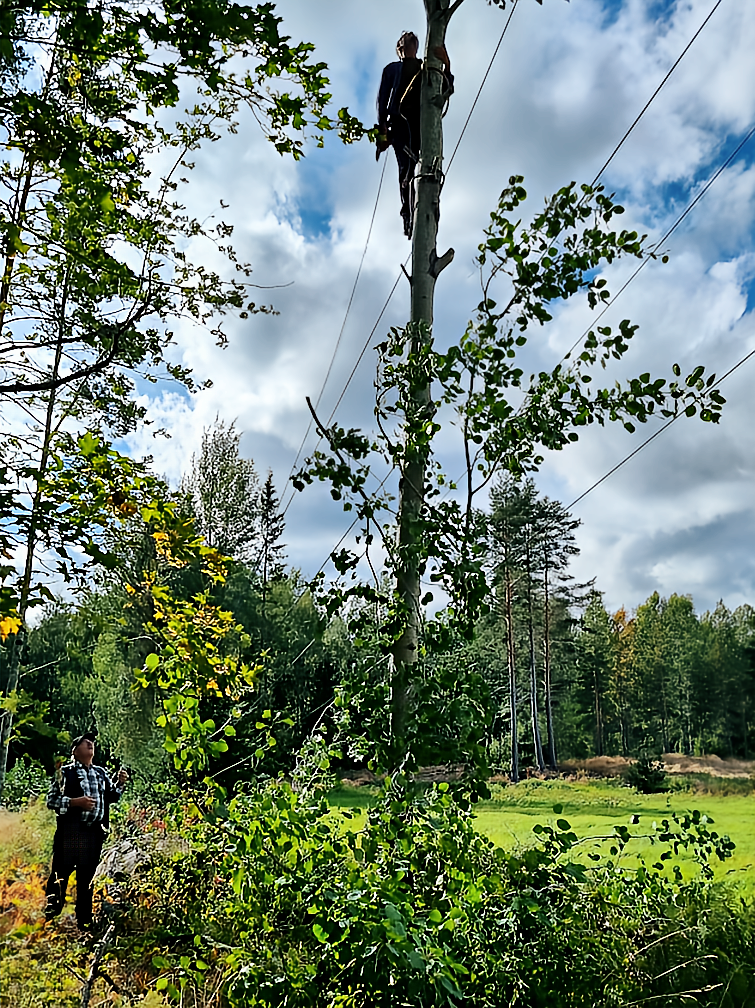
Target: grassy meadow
x: 594, y: 806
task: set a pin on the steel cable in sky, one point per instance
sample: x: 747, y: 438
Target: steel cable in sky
x: 652, y: 437
x: 459, y: 140
x: 343, y: 327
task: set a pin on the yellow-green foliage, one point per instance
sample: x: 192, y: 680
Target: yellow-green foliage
x: 33, y: 970
x: 34, y: 974
x: 26, y: 834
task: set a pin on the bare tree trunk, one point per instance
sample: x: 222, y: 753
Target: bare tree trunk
x: 511, y: 662
x: 744, y: 730
x: 552, y: 755
x: 10, y: 245
x: 19, y: 640
x: 19, y: 213
x: 94, y: 970
x: 534, y: 712
x: 598, y: 704
x: 418, y: 407
x: 664, y: 715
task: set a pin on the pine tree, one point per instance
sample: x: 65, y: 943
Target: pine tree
x: 532, y: 541
x: 595, y: 662
x: 271, y: 524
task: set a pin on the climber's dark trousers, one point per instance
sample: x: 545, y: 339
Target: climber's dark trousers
x: 77, y: 847
x: 406, y: 159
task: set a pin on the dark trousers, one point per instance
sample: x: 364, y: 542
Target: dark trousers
x: 406, y: 158
x: 77, y: 848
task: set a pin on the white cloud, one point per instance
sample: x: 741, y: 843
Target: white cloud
x: 568, y: 81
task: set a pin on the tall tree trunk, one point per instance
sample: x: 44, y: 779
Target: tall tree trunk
x: 534, y: 712
x: 19, y: 640
x: 552, y: 755
x: 418, y: 406
x: 19, y: 213
x: 598, y: 709
x: 511, y: 664
x: 264, y: 574
x: 687, y: 708
x: 744, y: 728
x: 626, y: 735
x: 664, y: 714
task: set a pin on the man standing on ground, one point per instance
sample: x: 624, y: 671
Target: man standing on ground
x: 398, y: 106
x: 81, y: 797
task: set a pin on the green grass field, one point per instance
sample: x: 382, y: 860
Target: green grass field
x: 593, y: 807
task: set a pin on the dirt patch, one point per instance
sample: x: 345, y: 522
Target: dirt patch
x: 359, y: 777
x: 712, y: 765
x: 425, y: 775
x: 596, y: 766
x: 673, y: 763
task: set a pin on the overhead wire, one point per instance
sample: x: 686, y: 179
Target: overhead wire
x: 385, y: 305
x: 688, y: 209
x: 364, y: 348
x: 650, y: 100
x: 395, y: 284
x: 398, y: 278
x: 654, y: 251
x: 656, y: 247
x: 342, y: 329
x: 652, y: 437
x: 450, y: 162
x: 482, y: 85
x: 345, y: 388
x: 320, y: 569
x: 620, y: 144
x: 595, y: 180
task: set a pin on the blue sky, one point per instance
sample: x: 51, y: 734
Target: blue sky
x: 568, y: 81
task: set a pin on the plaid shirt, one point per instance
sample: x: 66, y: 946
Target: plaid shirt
x: 95, y: 784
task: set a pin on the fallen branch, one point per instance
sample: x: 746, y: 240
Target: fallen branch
x: 98, y: 951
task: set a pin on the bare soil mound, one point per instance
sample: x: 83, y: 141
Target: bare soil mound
x: 673, y: 763
x: 712, y: 765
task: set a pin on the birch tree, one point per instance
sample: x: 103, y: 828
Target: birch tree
x: 94, y: 271
x: 505, y: 421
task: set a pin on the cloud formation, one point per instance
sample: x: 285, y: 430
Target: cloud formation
x: 568, y: 81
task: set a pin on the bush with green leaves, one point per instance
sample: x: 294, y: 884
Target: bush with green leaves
x: 25, y: 781
x: 282, y: 901
x: 647, y: 776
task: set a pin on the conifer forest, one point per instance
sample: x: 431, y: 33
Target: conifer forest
x: 445, y: 768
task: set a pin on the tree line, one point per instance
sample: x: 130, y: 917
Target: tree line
x: 592, y: 682
x: 549, y: 675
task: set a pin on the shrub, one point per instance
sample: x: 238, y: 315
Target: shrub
x: 647, y: 776
x: 280, y: 902
x: 24, y: 783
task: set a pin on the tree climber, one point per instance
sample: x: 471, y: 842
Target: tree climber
x: 398, y: 106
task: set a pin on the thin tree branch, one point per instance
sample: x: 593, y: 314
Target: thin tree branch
x: 326, y: 435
